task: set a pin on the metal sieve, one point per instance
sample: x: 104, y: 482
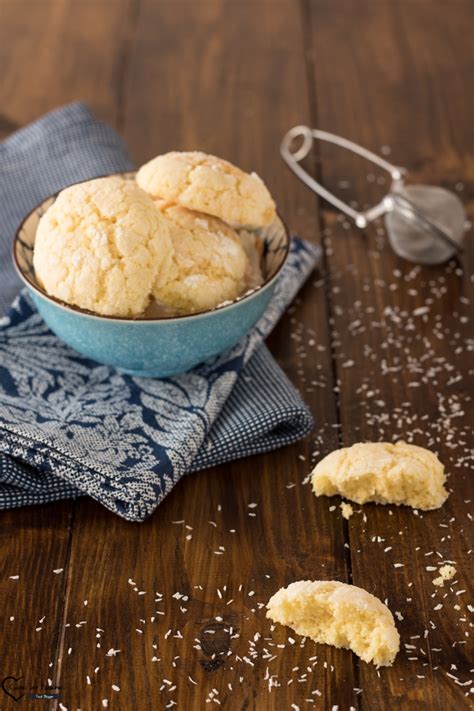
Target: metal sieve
x: 425, y: 224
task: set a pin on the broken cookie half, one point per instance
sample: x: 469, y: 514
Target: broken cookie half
x: 330, y: 612
x: 383, y: 472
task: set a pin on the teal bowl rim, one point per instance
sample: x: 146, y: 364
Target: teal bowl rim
x: 147, y: 320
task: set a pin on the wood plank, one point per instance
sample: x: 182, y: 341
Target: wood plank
x: 50, y: 53
x: 54, y: 52
x: 227, y: 78
x: 35, y: 542
x: 398, y: 75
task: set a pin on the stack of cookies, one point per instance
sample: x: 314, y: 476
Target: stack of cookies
x: 181, y: 239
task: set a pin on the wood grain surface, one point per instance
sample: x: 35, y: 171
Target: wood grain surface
x: 379, y: 348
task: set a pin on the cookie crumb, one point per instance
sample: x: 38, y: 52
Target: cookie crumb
x: 346, y: 509
x: 446, y: 572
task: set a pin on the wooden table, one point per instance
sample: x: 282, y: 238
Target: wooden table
x: 378, y: 347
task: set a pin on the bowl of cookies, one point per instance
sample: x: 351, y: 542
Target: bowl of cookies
x: 156, y: 271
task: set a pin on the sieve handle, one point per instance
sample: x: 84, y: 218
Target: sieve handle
x: 293, y: 158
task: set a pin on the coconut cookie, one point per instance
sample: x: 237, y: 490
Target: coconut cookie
x: 101, y: 245
x: 208, y: 264
x: 382, y: 472
x: 330, y: 612
x: 208, y: 184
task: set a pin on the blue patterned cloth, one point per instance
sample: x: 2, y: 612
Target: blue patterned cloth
x: 70, y: 426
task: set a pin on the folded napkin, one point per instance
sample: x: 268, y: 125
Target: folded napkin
x: 70, y: 426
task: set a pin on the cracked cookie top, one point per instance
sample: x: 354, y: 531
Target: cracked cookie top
x: 208, y: 184
x: 101, y: 245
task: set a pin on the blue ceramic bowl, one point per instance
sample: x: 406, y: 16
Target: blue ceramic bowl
x: 151, y: 347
